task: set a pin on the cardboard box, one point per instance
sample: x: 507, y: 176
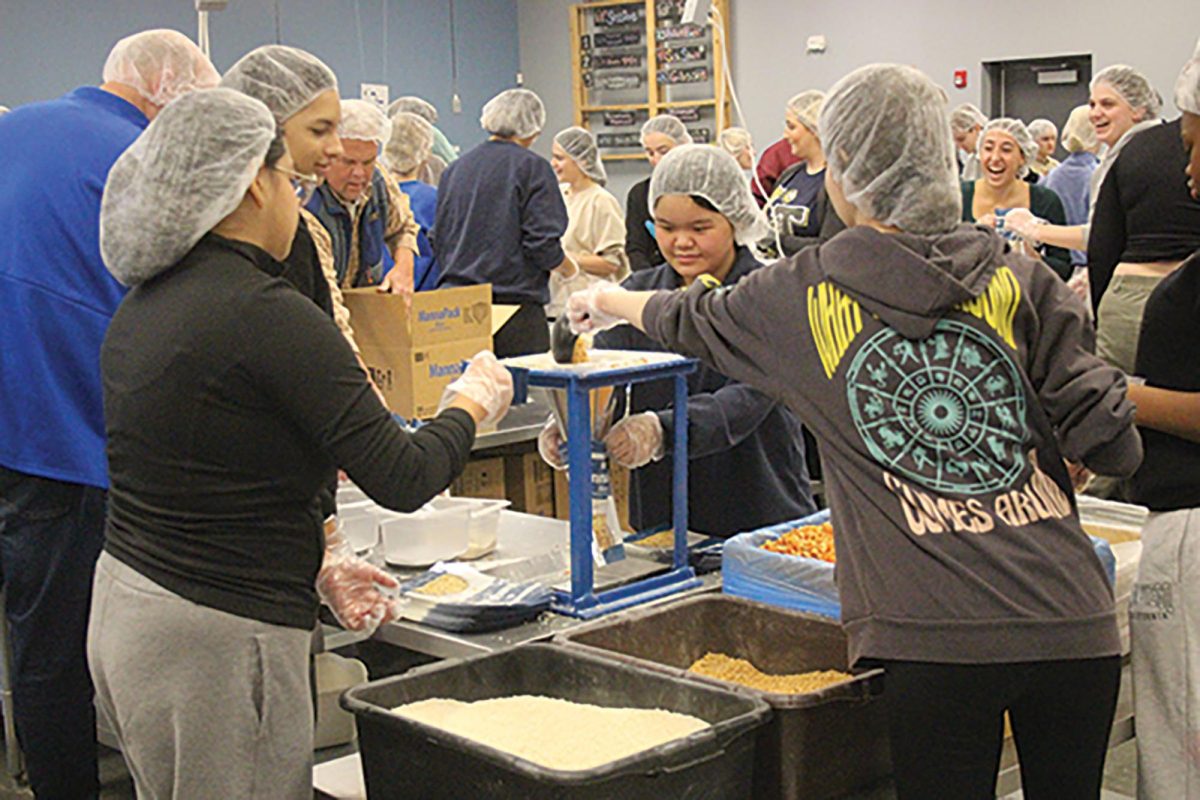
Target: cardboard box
x: 413, y: 356
x: 529, y: 484
x: 618, y: 479
x: 483, y: 477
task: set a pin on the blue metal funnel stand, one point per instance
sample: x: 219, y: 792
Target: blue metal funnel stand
x: 583, y: 601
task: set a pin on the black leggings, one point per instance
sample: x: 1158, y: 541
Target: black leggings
x: 946, y: 724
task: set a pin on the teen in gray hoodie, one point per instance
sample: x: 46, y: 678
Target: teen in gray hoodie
x: 946, y: 378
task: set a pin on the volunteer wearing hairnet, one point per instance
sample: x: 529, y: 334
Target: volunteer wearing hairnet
x: 230, y: 401
x: 595, y: 237
x: 442, y: 150
x: 946, y: 378
x: 406, y: 151
x: 739, y: 144
x: 1123, y: 104
x: 1005, y: 152
x: 1165, y: 670
x: 500, y: 219
x: 58, y: 301
x: 798, y: 209
x: 966, y: 122
x: 1045, y: 133
x: 302, y: 94
x: 372, y: 234
x: 774, y: 160
x: 741, y: 443
x: 1070, y: 179
x: 659, y: 135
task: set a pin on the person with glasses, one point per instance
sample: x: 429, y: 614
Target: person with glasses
x: 372, y: 234
x: 230, y: 401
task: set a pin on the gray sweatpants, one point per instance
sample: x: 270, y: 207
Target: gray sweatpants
x: 204, y: 704
x: 1164, y: 622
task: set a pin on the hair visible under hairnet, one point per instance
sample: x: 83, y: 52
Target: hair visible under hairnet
x: 187, y: 171
x: 887, y: 143
x: 1020, y: 134
x: 965, y: 117
x: 284, y: 78
x: 412, y: 104
x: 711, y: 173
x: 1187, y: 85
x: 806, y: 107
x: 1078, y: 133
x: 1133, y: 87
x: 670, y: 126
x: 1040, y: 127
x: 363, y: 121
x: 410, y: 144
x: 514, y: 114
x: 580, y: 145
x: 735, y: 141
x: 160, y: 64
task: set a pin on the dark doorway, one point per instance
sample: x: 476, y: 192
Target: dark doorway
x: 1028, y: 88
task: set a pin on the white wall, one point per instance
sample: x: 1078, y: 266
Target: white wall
x: 937, y: 36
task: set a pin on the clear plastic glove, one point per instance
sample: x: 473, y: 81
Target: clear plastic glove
x: 356, y: 591
x: 1081, y: 476
x: 1081, y: 286
x: 584, y: 313
x: 1022, y: 222
x: 550, y: 442
x: 485, y: 381
x: 636, y: 441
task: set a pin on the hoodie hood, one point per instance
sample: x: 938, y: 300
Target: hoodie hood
x: 925, y: 278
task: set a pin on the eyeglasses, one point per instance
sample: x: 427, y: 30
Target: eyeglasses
x: 303, y: 185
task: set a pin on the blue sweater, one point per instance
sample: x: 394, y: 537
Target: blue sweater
x: 1071, y: 181
x: 57, y: 295
x: 500, y: 216
x: 746, y: 465
x: 422, y: 198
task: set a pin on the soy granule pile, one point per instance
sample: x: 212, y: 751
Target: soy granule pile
x: 554, y: 733
x: 741, y: 671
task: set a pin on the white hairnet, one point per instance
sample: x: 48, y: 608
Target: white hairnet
x: 414, y: 105
x: 187, y: 171
x: 965, y: 117
x: 1020, y: 134
x: 364, y: 122
x: 1187, y: 86
x: 1040, y: 127
x: 160, y: 64
x: 887, y: 143
x: 711, y: 173
x: 514, y: 113
x: 735, y: 140
x: 285, y: 78
x: 580, y: 145
x: 1078, y: 133
x: 1133, y: 87
x: 668, y: 126
x: 806, y: 107
x: 410, y: 144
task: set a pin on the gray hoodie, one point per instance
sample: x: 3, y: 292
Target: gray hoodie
x: 946, y: 378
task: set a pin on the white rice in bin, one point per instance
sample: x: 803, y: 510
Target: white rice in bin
x: 553, y: 733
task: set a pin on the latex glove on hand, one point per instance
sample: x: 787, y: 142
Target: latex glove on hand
x: 1022, y: 222
x: 636, y: 441
x: 550, y: 445
x: 485, y: 381
x: 355, y: 590
x: 583, y: 308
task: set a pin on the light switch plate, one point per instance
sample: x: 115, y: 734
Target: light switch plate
x: 376, y: 93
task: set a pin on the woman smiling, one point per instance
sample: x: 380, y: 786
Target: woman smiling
x: 1006, y: 151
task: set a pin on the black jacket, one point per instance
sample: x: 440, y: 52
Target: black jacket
x: 640, y: 245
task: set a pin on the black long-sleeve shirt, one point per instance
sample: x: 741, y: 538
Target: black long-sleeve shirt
x: 229, y: 400
x: 640, y: 245
x: 1144, y: 212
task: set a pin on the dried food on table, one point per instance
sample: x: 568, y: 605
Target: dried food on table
x: 808, y: 541
x: 742, y: 672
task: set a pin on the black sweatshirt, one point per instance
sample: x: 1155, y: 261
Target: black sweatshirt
x: 1144, y: 212
x: 229, y: 400
x: 640, y: 245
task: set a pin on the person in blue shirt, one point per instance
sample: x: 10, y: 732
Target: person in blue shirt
x: 1071, y: 179
x: 500, y: 219
x: 746, y: 465
x: 58, y: 299
x: 407, y: 150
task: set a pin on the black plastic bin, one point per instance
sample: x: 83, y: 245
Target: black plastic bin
x: 409, y: 760
x: 820, y: 745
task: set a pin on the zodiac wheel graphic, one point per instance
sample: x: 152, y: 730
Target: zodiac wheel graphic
x: 947, y: 411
